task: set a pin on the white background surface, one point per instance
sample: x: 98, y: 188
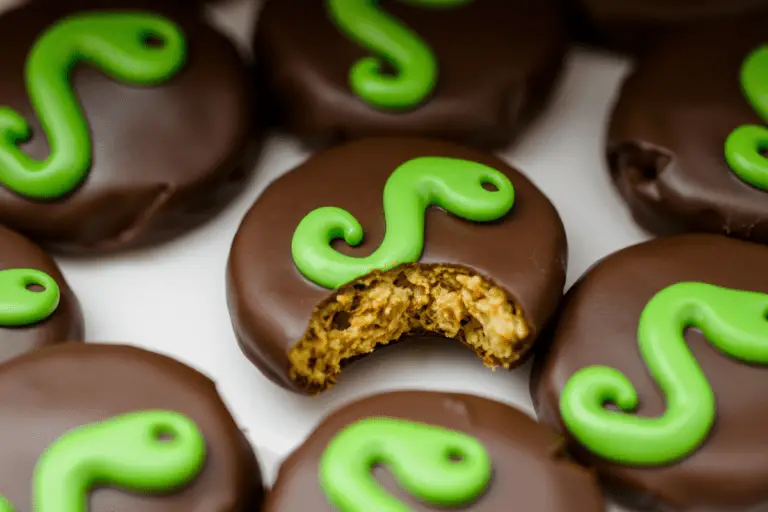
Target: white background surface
x: 171, y: 299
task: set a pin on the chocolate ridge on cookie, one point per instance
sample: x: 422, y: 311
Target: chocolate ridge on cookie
x: 98, y: 408
x: 304, y: 303
x: 453, y: 450
x: 128, y: 147
x: 474, y: 72
x: 655, y: 373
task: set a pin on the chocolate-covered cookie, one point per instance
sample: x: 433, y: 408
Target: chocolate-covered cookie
x: 121, y: 429
x: 658, y: 370
x: 118, y: 127
x: 688, y: 133
x: 473, y: 251
x: 37, y: 307
x: 472, y: 71
x: 432, y: 451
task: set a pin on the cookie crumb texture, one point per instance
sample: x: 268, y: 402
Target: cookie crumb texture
x: 382, y: 307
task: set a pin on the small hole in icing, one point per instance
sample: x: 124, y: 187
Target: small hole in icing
x: 164, y: 433
x: 35, y: 287
x: 490, y: 187
x: 152, y: 40
x: 455, y: 456
x: 762, y: 148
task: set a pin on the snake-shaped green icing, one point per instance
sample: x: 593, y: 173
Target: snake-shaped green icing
x: 439, y: 466
x: 142, y: 452
x: 20, y: 305
x: 416, y: 67
x: 453, y: 184
x: 746, y: 145
x: 135, y: 48
x: 734, y: 321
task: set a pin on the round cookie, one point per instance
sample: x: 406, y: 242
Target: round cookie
x: 685, y: 142
x: 631, y: 24
x: 37, y: 307
x: 696, y: 439
x: 47, y: 394
x: 439, y: 446
x: 471, y: 71
x: 490, y: 273
x: 140, y: 133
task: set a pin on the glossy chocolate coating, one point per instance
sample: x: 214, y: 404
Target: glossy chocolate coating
x: 64, y: 325
x: 498, y: 60
x: 271, y: 303
x: 45, y: 394
x: 166, y: 158
x: 111, y: 3
x: 598, y: 326
x: 668, y: 130
x: 631, y: 24
x: 529, y: 467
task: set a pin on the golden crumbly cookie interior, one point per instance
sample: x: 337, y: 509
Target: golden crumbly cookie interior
x: 381, y: 307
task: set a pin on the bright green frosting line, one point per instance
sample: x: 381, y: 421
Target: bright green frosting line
x: 439, y: 466
x: 416, y: 68
x: 120, y: 44
x: 21, y: 306
x: 746, y: 145
x: 733, y: 321
x: 453, y: 184
x: 141, y: 452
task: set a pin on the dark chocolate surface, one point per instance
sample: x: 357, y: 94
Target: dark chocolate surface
x: 64, y: 325
x: 668, y: 130
x: 43, y: 395
x: 529, y: 470
x: 631, y: 24
x: 598, y: 326
x: 165, y: 158
x: 498, y: 60
x: 270, y: 302
x: 112, y: 3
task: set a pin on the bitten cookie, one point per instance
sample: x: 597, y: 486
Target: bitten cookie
x: 121, y: 429
x: 424, y: 451
x: 439, y: 239
x: 657, y: 372
x: 472, y: 71
x: 118, y: 127
x: 688, y: 133
x: 37, y: 307
x: 632, y: 24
